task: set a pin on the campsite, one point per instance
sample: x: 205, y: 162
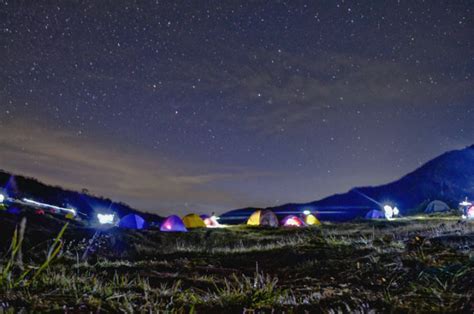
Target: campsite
x: 229, y: 156
x: 423, y: 263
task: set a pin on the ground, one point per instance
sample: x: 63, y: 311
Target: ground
x: 422, y: 264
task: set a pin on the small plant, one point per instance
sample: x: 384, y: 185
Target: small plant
x: 7, y: 277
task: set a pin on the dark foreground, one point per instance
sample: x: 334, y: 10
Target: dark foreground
x: 408, y: 265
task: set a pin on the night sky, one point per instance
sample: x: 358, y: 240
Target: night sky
x: 180, y: 106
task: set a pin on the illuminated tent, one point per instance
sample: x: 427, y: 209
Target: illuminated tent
x: 470, y: 213
x: 14, y: 210
x: 132, y: 221
x: 436, y: 207
x: 375, y: 214
x: 173, y: 224
x: 39, y: 212
x: 193, y: 221
x: 70, y: 216
x: 210, y: 221
x: 292, y: 221
x: 263, y: 218
x: 311, y: 220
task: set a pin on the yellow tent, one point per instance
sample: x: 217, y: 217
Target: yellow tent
x: 193, y: 221
x: 311, y: 220
x: 263, y: 218
x: 70, y: 216
x: 254, y: 219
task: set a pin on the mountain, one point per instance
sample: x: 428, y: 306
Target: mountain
x: 87, y: 205
x: 449, y: 177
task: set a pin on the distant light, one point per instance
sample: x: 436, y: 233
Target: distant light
x: 292, y: 222
x: 105, y: 218
x: 215, y: 217
x: 57, y: 208
x: 388, y: 210
x: 396, y: 211
x: 465, y: 203
x: 306, y: 212
x: 2, y: 198
x: 470, y: 213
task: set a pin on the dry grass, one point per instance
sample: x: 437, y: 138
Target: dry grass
x: 417, y: 266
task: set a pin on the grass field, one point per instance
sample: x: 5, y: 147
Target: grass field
x: 414, y: 265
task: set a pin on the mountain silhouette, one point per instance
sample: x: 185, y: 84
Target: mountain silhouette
x: 448, y: 177
x: 86, y: 204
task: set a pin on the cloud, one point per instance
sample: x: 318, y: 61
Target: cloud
x: 145, y: 181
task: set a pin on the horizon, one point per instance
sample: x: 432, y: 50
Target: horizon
x: 173, y: 108
x: 207, y: 211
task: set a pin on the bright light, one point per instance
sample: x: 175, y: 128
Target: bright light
x: 69, y: 210
x: 465, y: 203
x: 105, y: 218
x: 292, y: 222
x: 470, y: 213
x: 306, y: 212
x: 396, y: 211
x: 2, y: 198
x: 388, y: 210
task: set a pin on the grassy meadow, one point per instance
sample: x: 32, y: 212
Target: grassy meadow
x: 407, y: 265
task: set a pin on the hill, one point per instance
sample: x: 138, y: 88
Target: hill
x: 86, y: 204
x: 449, y: 177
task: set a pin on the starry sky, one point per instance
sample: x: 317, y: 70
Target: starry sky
x: 180, y: 106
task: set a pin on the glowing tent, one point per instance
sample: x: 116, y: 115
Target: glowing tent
x: 470, y: 213
x: 14, y: 210
x: 263, y: 218
x: 375, y: 214
x: 311, y: 220
x: 193, y: 221
x: 210, y: 221
x: 70, y: 216
x: 173, y: 224
x: 39, y: 212
x: 292, y: 221
x: 436, y: 207
x: 132, y: 221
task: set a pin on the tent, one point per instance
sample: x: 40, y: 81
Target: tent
x: 470, y: 213
x: 193, y: 221
x: 436, y: 207
x: 311, y: 220
x: 70, y: 216
x: 132, y: 221
x: 263, y: 218
x: 292, y: 221
x: 375, y: 214
x: 14, y: 210
x: 210, y: 222
x: 39, y: 212
x: 173, y: 224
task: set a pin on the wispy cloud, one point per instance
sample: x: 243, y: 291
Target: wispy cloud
x: 146, y: 181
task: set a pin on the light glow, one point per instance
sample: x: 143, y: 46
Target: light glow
x: 388, y: 210
x: 396, y: 211
x: 2, y: 198
x: 306, y: 212
x: 470, y: 213
x: 105, y: 219
x: 43, y: 205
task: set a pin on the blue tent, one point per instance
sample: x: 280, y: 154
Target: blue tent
x: 132, y: 221
x: 173, y: 224
x: 14, y: 210
x: 375, y: 214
